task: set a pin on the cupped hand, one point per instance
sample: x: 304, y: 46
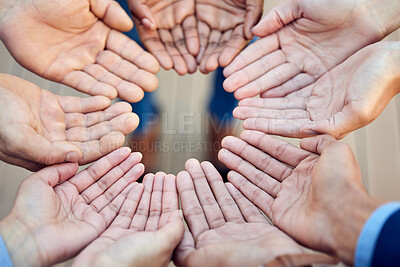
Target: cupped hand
x: 224, y: 29
x: 300, y: 42
x: 39, y: 128
x: 146, y: 230
x: 305, y: 191
x: 168, y: 30
x: 56, y: 213
x: 348, y: 97
x: 78, y: 43
x: 223, y: 222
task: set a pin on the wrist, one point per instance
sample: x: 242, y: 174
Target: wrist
x: 20, y: 243
x: 348, y: 222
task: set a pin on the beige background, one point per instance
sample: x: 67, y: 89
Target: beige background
x: 377, y: 146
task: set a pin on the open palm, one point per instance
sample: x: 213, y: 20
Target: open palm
x: 290, y: 184
x: 348, y: 97
x: 146, y: 231
x: 167, y: 29
x: 301, y: 41
x: 223, y: 222
x: 224, y: 29
x: 64, y: 219
x: 44, y: 129
x: 78, y: 43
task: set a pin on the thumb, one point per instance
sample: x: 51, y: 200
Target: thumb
x: 254, y: 12
x: 56, y: 174
x: 277, y: 17
x: 141, y: 11
x: 317, y: 144
x: 173, y: 230
x: 112, y: 14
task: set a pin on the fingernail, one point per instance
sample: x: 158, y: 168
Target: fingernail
x: 148, y: 24
x: 72, y: 157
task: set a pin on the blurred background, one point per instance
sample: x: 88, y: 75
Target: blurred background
x: 183, y: 127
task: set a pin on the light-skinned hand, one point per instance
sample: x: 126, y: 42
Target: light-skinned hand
x: 57, y: 212
x: 78, y: 43
x: 224, y: 29
x: 348, y: 97
x: 39, y: 128
x: 168, y: 30
x: 301, y: 40
x: 223, y: 222
x: 146, y: 230
x: 313, y: 193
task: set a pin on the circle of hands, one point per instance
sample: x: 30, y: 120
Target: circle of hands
x: 312, y: 79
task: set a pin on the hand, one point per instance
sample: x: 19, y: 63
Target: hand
x: 168, y: 30
x: 223, y: 222
x: 146, y: 231
x: 305, y: 191
x: 78, y: 43
x: 56, y: 213
x: 224, y: 28
x: 301, y: 40
x: 39, y: 128
x: 348, y: 97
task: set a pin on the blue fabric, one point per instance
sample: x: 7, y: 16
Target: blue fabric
x: 5, y: 260
x: 371, y: 232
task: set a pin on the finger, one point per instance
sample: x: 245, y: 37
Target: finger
x: 299, y: 128
x: 189, y: 26
x: 85, y: 83
x: 212, y: 61
x: 192, y: 210
x: 90, y: 119
x: 297, y: 83
x: 250, y: 212
x: 55, y: 174
x: 254, y: 194
x: 254, y: 11
x: 257, y: 177
x: 72, y: 104
x: 204, y: 34
x: 228, y: 206
x: 142, y: 212
x: 151, y: 40
x: 127, y: 71
x: 253, y: 71
x: 128, y: 209
x: 233, y: 47
x: 125, y: 123
x: 279, y: 16
x: 112, y: 14
x: 111, y: 210
x: 275, y: 147
x: 256, y: 157
x: 244, y: 112
x: 130, y: 51
x: 271, y: 79
x: 94, y: 150
x: 170, y: 200
x: 105, y: 182
x: 94, y: 172
x: 275, y: 103
x: 142, y: 13
x: 317, y: 144
x: 179, y: 63
x: 213, y: 43
x: 252, y: 53
x: 172, y: 232
x: 116, y: 188
x: 211, y: 209
x: 180, y: 44
x: 155, y: 202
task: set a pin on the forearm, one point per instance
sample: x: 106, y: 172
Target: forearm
x: 19, y: 242
x: 349, y: 220
x: 385, y: 13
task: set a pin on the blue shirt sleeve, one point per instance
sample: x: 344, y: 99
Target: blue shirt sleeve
x: 5, y: 259
x: 371, y: 232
